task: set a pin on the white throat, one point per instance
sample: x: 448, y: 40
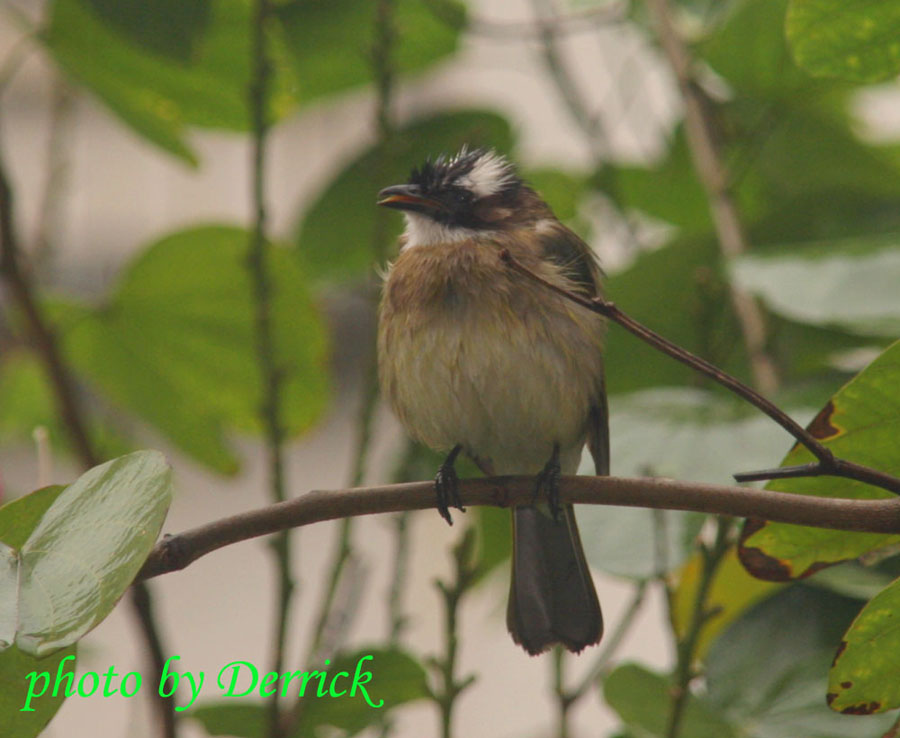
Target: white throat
x: 423, y: 231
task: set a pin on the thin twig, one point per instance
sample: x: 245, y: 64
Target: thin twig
x: 44, y: 342
x: 270, y: 373
x: 453, y: 592
x: 703, y: 142
x: 868, y: 515
x: 383, y: 75
x: 828, y: 463
x: 687, y: 646
x: 564, y: 698
x: 611, y: 643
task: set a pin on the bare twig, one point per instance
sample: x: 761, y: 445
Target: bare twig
x: 712, y: 556
x: 564, y: 698
x: 270, y: 373
x: 828, y: 464
x: 868, y: 515
x: 453, y: 592
x: 714, y: 177
x: 44, y: 342
x: 611, y: 643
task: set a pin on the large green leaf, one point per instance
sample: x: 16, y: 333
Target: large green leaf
x: 851, y: 284
x: 643, y: 700
x: 16, y: 668
x: 171, y: 27
x: 863, y: 677
x: 396, y: 679
x: 850, y: 39
x: 768, y: 670
x: 176, y: 342
x: 860, y: 424
x: 332, y: 42
x: 83, y: 553
x: 336, y: 232
x: 750, y: 52
x: 157, y: 95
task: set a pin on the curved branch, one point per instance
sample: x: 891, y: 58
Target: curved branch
x: 872, y: 515
x: 828, y: 464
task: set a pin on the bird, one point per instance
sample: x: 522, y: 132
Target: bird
x: 476, y: 358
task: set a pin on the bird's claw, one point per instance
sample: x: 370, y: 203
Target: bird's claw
x: 446, y: 485
x: 548, y: 481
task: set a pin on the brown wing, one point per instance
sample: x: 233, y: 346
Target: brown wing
x: 564, y: 247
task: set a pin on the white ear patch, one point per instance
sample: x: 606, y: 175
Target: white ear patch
x: 423, y: 231
x: 490, y: 174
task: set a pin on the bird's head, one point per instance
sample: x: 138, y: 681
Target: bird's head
x: 452, y: 198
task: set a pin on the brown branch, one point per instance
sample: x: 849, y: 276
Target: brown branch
x: 714, y: 177
x: 870, y: 515
x: 828, y: 464
x: 44, y: 342
x: 41, y: 335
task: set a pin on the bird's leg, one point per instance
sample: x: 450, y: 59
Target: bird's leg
x: 548, y: 481
x: 446, y: 485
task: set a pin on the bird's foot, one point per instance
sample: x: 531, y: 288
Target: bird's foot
x: 548, y: 482
x: 446, y: 486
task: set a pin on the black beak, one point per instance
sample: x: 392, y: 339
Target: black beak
x: 408, y: 197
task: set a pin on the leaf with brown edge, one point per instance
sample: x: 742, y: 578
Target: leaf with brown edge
x: 863, y: 677
x: 860, y: 423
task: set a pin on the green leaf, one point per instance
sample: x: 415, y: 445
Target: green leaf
x: 850, y: 284
x: 84, y: 552
x: 686, y: 278
x: 668, y: 190
x: 176, y: 342
x: 26, y: 401
x: 336, y: 232
x: 750, y: 52
x: 854, y: 40
x: 859, y: 424
x: 643, y: 700
x: 396, y: 678
x: 157, y: 96
x: 863, y: 678
x: 732, y: 591
x: 170, y: 27
x: 561, y: 190
x: 19, y: 517
x: 15, y: 668
x: 768, y: 670
x: 331, y: 42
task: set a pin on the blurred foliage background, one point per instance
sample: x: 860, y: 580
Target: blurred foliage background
x: 797, y: 101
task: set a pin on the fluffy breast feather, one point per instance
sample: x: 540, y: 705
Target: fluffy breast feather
x: 472, y: 353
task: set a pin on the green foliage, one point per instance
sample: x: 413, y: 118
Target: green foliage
x: 86, y: 546
x: 858, y: 424
x: 862, y: 679
x: 336, y: 232
x: 15, y: 666
x: 642, y: 699
x: 159, y: 96
x: 766, y: 673
x: 182, y: 316
x: 170, y: 27
x: 331, y: 42
x: 849, y: 39
x: 849, y: 284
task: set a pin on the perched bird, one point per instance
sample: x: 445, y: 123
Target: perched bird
x: 479, y: 359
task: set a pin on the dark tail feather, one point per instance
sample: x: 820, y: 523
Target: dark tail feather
x: 552, y: 597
